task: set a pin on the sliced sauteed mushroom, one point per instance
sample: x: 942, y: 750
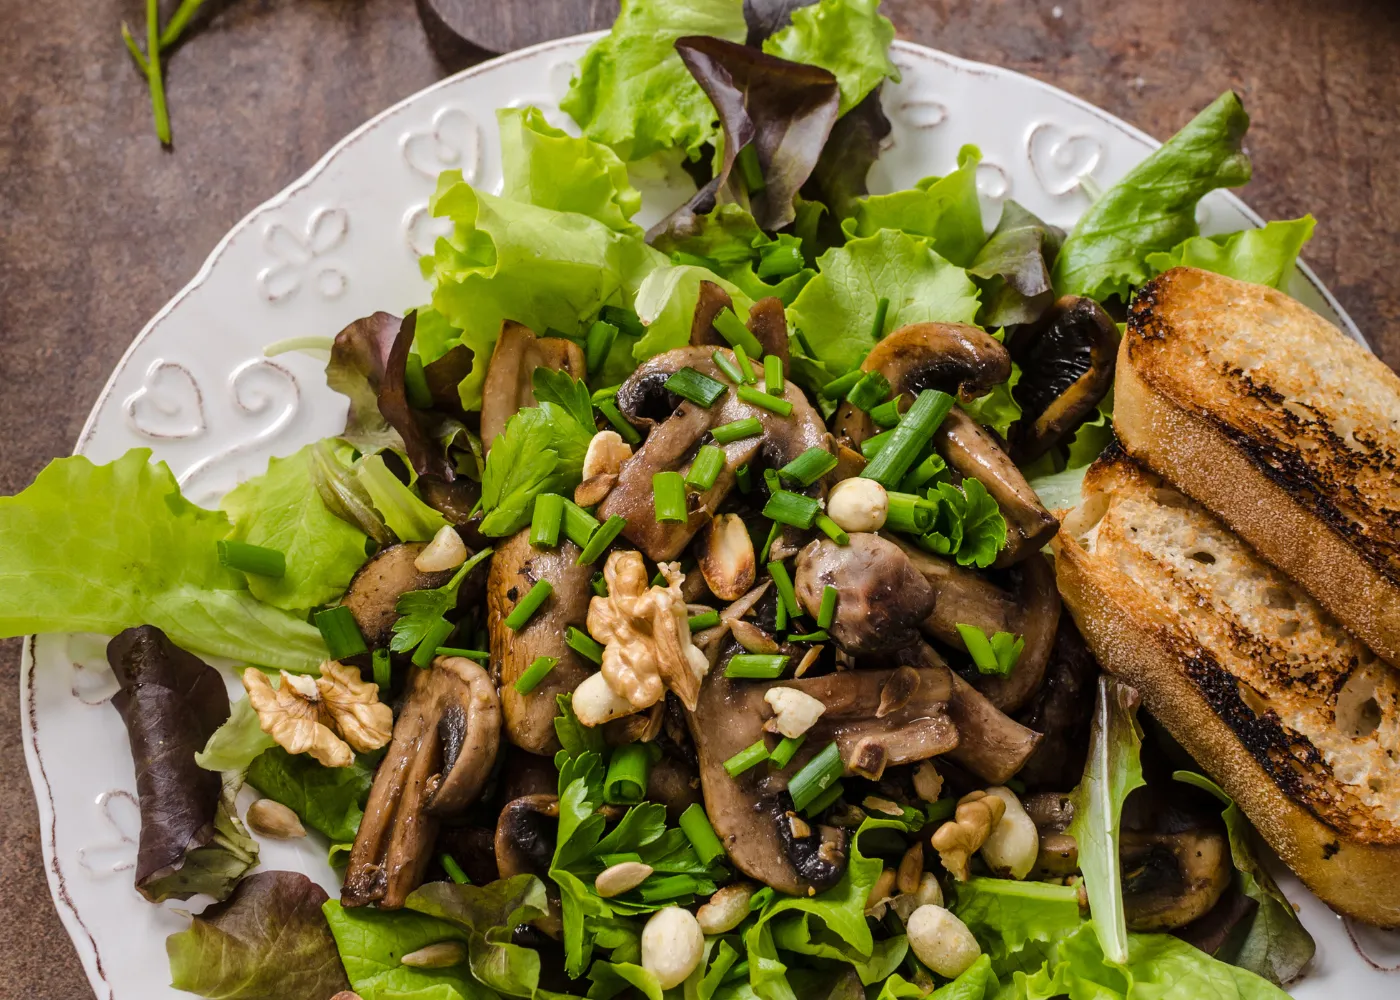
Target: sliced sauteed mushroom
x: 444, y: 746
x: 459, y: 502
x: 515, y: 568
x: 1067, y: 361
x: 675, y: 784
x: 677, y: 431
x: 881, y: 597
x: 525, y: 836
x: 509, y: 378
x: 376, y: 589
x: 767, y: 321
x: 1175, y: 857
x: 1062, y: 709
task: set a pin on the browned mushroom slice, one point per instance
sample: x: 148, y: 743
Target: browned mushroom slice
x: 881, y: 597
x: 675, y: 784
x: 376, y: 588
x: 712, y: 301
x: 1062, y: 710
x: 515, y: 568
x: 767, y: 321
x: 509, y: 384
x: 676, y: 432
x: 444, y: 746
x: 526, y: 832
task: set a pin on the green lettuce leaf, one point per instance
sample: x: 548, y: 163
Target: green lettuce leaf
x: 836, y: 310
x: 328, y: 799
x: 849, y: 38
x: 733, y: 246
x: 371, y: 943
x: 666, y: 305
x: 1092, y: 436
x: 101, y: 548
x: 634, y: 94
x: 281, y: 510
x: 406, y: 515
x: 237, y: 743
x: 1264, y: 256
x: 1153, y: 208
x: 998, y: 409
x: 1059, y: 490
x: 546, y: 166
x: 945, y: 210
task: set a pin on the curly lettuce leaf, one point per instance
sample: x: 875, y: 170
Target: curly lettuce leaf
x: 359, y: 355
x: 633, y: 93
x: 269, y: 941
x: 998, y: 409
x: 1153, y: 208
x: 836, y: 310
x: 101, y: 548
x: 1013, y: 267
x: 666, y: 306
x: 330, y: 800
x: 944, y: 210
x: 237, y: 743
x: 849, y: 38
x: 371, y: 943
x: 406, y: 515
x: 1266, y: 256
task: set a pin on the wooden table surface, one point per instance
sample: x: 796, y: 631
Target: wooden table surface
x: 99, y: 226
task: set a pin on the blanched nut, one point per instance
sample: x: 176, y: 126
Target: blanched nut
x: 442, y: 955
x: 928, y: 892
x: 928, y: 783
x: 942, y: 941
x: 620, y: 878
x: 858, y: 505
x: 672, y: 946
x: 959, y: 838
x: 446, y: 551
x: 726, y: 909
x: 794, y: 711
x: 595, y: 703
x: 605, y: 455
x: 911, y: 868
x: 1012, y: 846
x: 881, y: 893
x: 269, y: 818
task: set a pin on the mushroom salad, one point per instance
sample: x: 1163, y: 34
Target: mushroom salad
x: 674, y: 616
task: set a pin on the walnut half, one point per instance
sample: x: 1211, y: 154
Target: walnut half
x: 330, y: 717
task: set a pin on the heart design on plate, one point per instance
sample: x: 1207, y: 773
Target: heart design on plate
x: 122, y: 815
x: 169, y: 406
x: 993, y: 182
x: 1061, y: 159
x: 451, y: 142
x: 421, y: 230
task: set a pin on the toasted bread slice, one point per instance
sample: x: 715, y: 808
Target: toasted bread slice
x: 1267, y: 415
x: 1295, y: 718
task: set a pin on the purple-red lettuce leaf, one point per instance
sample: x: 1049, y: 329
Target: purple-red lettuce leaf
x: 424, y: 451
x: 356, y: 370
x: 1013, y: 268
x: 768, y: 17
x: 854, y: 145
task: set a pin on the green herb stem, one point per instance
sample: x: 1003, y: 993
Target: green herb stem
x: 750, y: 756
x: 909, y: 438
x: 480, y: 655
x: 697, y: 829
x: 626, y: 781
x: 886, y: 414
x: 842, y: 384
x: 668, y: 497
x: 882, y: 310
x: 583, y: 644
x: 741, y: 358
x: 436, y: 635
x: 792, y: 508
x: 832, y: 530
x: 737, y: 430
x: 730, y: 369
x: 340, y: 632
x: 732, y: 329
x: 453, y: 869
x: 695, y: 386
x: 528, y: 605
x: 826, y: 614
x: 600, y: 340
x: 816, y: 776
x: 809, y: 466
x: 783, y: 753
x: 601, y: 539
x: 872, y: 390
x: 706, y: 619
x: 756, y: 666
x: 252, y: 559
x: 774, y: 381
x: 383, y: 670
x: 783, y: 582
x: 579, y: 525
x: 625, y: 430
x: 703, y: 472
x: 534, y: 673
x: 756, y: 397
x: 909, y: 514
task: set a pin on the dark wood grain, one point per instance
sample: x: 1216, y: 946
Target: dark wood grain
x: 99, y: 226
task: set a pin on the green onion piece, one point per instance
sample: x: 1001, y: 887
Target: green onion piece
x: 709, y: 460
x: 661, y: 889
x: 773, y: 532
x: 453, y: 869
x: 706, y: 619
x: 763, y: 401
x: 696, y: 827
x: 608, y: 408
x: 746, y: 758
x: 909, y: 438
x: 783, y: 582
x: 624, y: 319
x: 826, y: 614
x: 809, y: 466
x: 415, y: 384
x: 781, y: 616
x: 600, y: 340
x: 872, y: 390
x: 689, y: 259
x: 668, y: 497
x: 528, y: 605
x: 792, y: 508
x: 383, y: 670
x: 744, y: 478
x: 779, y: 261
x: 816, y: 776
x: 781, y: 756
x: 737, y: 430
x: 750, y: 169
x: 741, y: 358
x: 832, y: 530
x: 700, y: 389
x: 601, y: 539
x: 842, y: 384
x: 579, y: 525
x: 547, y: 519
x: 252, y: 559
x: 626, y: 783
x: 756, y: 666
x: 984, y: 651
x: 872, y: 446
x: 341, y: 634
x: 941, y: 810
x: 770, y: 480
x: 599, y: 585
x: 583, y: 644
x: 535, y: 673
x: 877, y: 328
x: 480, y: 655
x: 909, y: 514
x: 822, y: 801
x: 773, y: 380
x: 820, y: 635
x: 732, y: 329
x: 730, y: 369
x: 922, y: 474
x: 886, y: 414
x: 427, y: 649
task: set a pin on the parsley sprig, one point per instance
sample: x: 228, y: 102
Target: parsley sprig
x: 420, y: 611
x: 157, y: 42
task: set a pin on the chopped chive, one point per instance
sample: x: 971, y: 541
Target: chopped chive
x: 782, y: 754
x: 730, y: 369
x: 579, y: 525
x: 756, y: 666
x: 770, y: 480
x: 415, y: 384
x: 909, y: 514
x: 668, y: 497
x: 709, y: 460
x: 253, y: 559
x: 909, y: 438
x: 941, y: 810
x: 741, y: 358
x: 750, y: 169
x: 599, y: 585
x: 783, y: 582
x: 528, y: 605
x: 929, y: 470
x: 601, y: 539
x: 744, y: 478
x: 822, y: 801
x: 773, y: 532
x: 832, y: 530
x: 816, y: 776
x: 826, y: 614
x: 820, y: 635
x: 697, y: 829
x: 340, y: 632
x: 809, y: 466
x: 626, y: 781
x: 600, y: 340
x: 781, y: 616
x: 583, y: 644
x: 779, y: 262
x: 699, y: 388
x: 438, y: 632
x: 383, y: 670
x: 547, y: 519
x: 732, y: 329
x: 792, y: 508
x: 480, y: 655
x: 737, y: 430
x: 872, y: 446
x: 746, y: 758
x: 842, y: 384
x: 535, y: 673
x: 706, y: 619
x: 658, y: 890
x: 773, y: 380
x: 877, y: 328
x: 886, y: 414
x: 872, y: 390
x: 763, y: 401
x: 624, y: 319
x: 608, y: 408
x: 453, y: 869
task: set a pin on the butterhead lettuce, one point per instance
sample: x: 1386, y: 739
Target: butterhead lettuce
x: 849, y: 38
x: 1264, y: 256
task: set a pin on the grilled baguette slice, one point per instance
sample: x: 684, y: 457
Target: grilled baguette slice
x: 1294, y: 717
x: 1288, y: 431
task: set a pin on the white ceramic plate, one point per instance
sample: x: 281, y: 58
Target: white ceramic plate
x: 342, y: 242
